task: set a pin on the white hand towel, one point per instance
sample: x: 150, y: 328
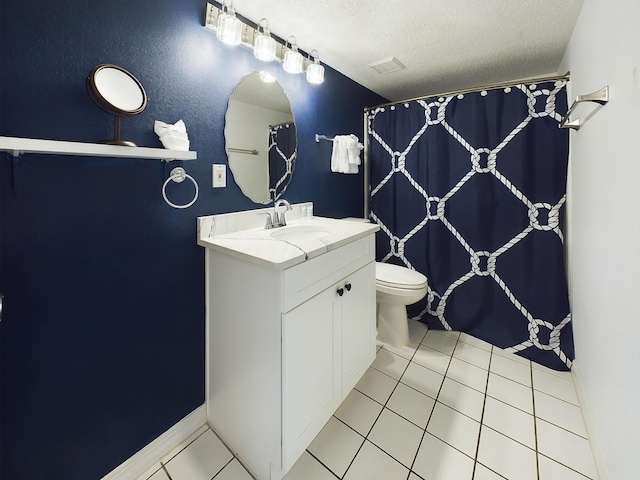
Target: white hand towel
x: 353, y: 150
x: 340, y: 156
x: 345, y: 156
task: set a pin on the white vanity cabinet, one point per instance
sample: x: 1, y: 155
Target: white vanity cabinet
x: 284, y: 348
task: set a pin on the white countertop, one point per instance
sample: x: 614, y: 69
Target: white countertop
x: 306, y: 238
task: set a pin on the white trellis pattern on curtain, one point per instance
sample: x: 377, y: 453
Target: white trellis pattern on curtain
x: 282, y: 155
x: 469, y: 190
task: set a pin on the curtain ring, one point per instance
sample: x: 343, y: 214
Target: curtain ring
x: 178, y: 175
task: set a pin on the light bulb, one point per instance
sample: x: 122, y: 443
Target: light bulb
x: 229, y: 29
x: 315, y: 71
x: 264, y: 47
x: 293, y: 58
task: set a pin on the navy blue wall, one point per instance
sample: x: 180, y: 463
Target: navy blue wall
x: 102, y: 336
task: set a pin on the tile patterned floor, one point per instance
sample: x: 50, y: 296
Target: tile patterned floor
x: 446, y: 407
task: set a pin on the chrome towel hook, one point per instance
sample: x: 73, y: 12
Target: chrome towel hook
x: 178, y: 175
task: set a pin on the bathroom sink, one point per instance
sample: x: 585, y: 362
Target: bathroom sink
x: 300, y: 232
x: 301, y: 240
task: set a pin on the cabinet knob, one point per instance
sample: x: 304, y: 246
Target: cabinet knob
x: 348, y: 287
x: 340, y: 291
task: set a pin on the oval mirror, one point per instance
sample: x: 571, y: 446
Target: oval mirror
x: 118, y: 92
x: 260, y: 138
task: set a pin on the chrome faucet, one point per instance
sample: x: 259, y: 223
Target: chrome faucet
x: 278, y: 218
x: 269, y: 224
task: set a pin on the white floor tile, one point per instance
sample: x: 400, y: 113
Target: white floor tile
x: 560, y: 413
x: 558, y: 373
x: 173, y: 452
x: 462, y: 398
x: 476, y: 342
x: 371, y: 463
x: 472, y: 354
x: 442, y: 343
x: 335, y: 446
x: 467, y: 374
x: 417, y: 330
x: 551, y: 470
x: 454, y: 428
x: 453, y: 368
x: 483, y: 473
x: 422, y: 379
x: 159, y: 475
x: 566, y: 448
x: 390, y: 363
x: 511, y: 356
x: 438, y: 461
x: 510, y: 421
x: 149, y: 472
x: 508, y: 391
x: 233, y: 471
x: 308, y: 468
x: 505, y: 456
x: 406, y: 351
x: 200, y: 460
x: 376, y: 385
x: 555, y: 385
x: 411, y: 404
x: 447, y: 333
x: 433, y: 359
x: 511, y: 369
x: 359, y: 412
x: 396, y: 436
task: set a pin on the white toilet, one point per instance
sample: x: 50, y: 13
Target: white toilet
x: 396, y: 287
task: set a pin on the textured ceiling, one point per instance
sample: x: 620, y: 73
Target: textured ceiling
x: 445, y: 44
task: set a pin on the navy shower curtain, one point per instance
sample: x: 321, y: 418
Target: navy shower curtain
x: 282, y: 153
x: 469, y: 190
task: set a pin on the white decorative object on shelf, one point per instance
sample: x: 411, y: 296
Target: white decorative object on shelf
x: 173, y: 137
x: 16, y: 146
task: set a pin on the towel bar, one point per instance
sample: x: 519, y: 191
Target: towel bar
x: 243, y: 150
x: 323, y: 137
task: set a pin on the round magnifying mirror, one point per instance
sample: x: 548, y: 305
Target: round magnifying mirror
x: 117, y: 92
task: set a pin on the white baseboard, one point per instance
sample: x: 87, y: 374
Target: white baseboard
x: 587, y: 415
x: 142, y: 461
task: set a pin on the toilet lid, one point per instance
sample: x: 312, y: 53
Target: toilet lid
x: 396, y: 276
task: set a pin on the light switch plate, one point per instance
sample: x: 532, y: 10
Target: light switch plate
x: 219, y: 176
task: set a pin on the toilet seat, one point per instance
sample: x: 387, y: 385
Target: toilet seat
x: 396, y: 277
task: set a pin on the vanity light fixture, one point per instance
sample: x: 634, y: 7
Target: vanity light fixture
x: 315, y: 71
x: 237, y: 30
x: 264, y: 46
x: 229, y: 29
x: 293, y: 58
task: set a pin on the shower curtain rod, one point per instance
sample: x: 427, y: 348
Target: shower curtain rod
x: 473, y: 89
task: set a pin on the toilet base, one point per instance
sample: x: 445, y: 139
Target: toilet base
x: 393, y: 324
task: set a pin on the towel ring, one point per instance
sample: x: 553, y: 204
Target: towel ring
x: 178, y: 175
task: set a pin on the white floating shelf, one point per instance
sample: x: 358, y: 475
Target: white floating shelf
x: 16, y: 146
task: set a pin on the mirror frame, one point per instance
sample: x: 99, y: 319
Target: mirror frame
x: 103, y: 102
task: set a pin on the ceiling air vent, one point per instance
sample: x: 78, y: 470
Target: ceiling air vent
x: 387, y: 65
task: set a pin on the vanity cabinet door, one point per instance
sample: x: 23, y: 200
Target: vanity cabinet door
x: 358, y: 325
x: 311, y: 376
